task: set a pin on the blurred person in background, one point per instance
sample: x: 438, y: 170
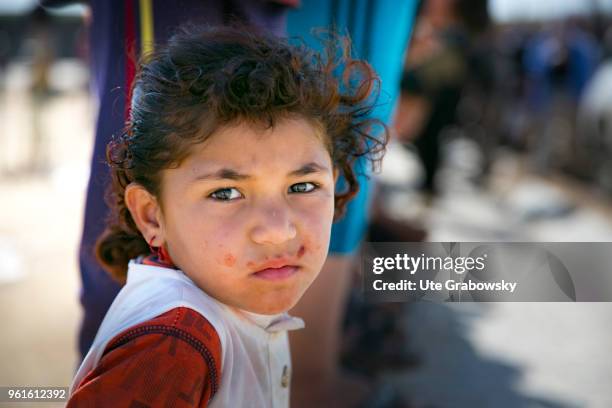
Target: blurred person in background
x: 43, y: 55
x: 37, y: 48
x: 443, y: 62
x: 594, y: 120
x: 379, y: 31
x: 559, y: 61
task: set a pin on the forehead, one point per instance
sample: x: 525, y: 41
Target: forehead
x: 243, y: 145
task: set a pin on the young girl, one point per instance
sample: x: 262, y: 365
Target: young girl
x: 223, y: 197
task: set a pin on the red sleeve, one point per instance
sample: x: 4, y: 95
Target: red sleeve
x: 171, y: 360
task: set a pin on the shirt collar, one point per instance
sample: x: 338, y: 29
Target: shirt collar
x: 273, y: 323
x: 269, y: 323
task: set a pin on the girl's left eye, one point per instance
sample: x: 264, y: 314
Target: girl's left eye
x: 305, y: 187
x: 226, y: 194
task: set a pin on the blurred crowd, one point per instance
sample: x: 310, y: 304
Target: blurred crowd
x: 537, y: 87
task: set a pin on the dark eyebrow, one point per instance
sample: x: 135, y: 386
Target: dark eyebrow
x: 223, y: 174
x: 309, y: 168
x: 231, y: 174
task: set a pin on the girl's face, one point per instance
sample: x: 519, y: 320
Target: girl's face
x: 247, y: 216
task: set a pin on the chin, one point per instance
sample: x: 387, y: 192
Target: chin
x: 274, y: 307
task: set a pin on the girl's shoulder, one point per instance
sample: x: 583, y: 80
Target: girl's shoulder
x: 173, y: 359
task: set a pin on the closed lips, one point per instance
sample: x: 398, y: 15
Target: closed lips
x: 275, y: 264
x: 277, y: 269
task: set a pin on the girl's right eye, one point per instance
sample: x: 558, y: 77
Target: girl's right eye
x: 226, y: 194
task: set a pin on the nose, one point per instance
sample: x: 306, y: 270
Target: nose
x: 273, y: 225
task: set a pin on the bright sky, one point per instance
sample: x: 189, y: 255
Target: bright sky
x: 24, y: 6
x: 16, y: 6
x: 505, y: 10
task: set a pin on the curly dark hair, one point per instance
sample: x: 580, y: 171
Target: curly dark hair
x: 206, y: 78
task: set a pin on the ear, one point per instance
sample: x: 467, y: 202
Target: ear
x: 336, y: 174
x: 145, y: 212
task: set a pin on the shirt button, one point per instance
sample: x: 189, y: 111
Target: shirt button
x: 285, y: 377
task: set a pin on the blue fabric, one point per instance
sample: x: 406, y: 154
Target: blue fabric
x: 380, y: 30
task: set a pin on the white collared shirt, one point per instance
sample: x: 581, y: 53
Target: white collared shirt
x: 255, y: 361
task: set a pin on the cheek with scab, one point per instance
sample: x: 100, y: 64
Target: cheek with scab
x: 229, y: 260
x: 301, y: 252
x: 309, y: 246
